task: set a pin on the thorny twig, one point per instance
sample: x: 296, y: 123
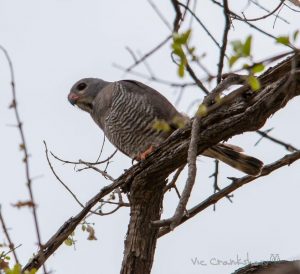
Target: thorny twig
x: 215, y: 175
x: 265, y: 134
x: 23, y: 147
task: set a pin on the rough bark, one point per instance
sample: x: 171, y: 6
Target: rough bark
x: 146, y: 202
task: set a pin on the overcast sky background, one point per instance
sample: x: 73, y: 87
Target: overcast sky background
x: 54, y: 43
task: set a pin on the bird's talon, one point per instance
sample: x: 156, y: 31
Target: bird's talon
x: 144, y: 155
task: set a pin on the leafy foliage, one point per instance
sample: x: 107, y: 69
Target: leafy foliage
x: 242, y: 50
x: 180, y: 41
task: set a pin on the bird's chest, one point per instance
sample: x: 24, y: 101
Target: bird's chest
x: 129, y: 126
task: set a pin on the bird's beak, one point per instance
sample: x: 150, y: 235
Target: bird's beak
x: 72, y: 97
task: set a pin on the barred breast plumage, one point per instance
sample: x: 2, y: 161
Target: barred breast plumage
x: 127, y: 110
x: 129, y: 123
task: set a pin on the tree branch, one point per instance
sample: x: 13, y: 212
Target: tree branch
x: 241, y: 111
x: 237, y: 183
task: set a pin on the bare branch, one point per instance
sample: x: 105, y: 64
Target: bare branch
x: 57, y: 177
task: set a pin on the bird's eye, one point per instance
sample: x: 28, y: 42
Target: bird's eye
x: 81, y: 86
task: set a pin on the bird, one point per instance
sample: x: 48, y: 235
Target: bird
x: 136, y: 119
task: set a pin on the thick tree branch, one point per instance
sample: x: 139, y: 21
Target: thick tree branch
x: 240, y: 111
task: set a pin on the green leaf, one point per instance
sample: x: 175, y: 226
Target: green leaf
x: 285, y: 40
x: 186, y: 36
x: 181, y: 69
x: 247, y: 46
x: 233, y: 59
x: 258, y: 68
x: 202, y: 110
x: 179, y: 52
x: 15, y: 270
x: 181, y: 38
x: 253, y: 82
x: 69, y: 241
x: 161, y: 125
x: 237, y: 46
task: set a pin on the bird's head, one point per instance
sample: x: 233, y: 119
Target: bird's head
x: 84, y: 92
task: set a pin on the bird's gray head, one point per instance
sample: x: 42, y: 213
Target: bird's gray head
x: 84, y: 92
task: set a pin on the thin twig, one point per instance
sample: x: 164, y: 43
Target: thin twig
x: 195, y: 78
x: 10, y: 242
x: 155, y: 79
x: 201, y: 24
x: 155, y: 49
x: 174, y: 179
x: 268, y: 11
x: 160, y: 15
x: 237, y: 17
x: 101, y: 150
x: 267, y: 15
x: 103, y: 173
x: 78, y: 162
x: 215, y: 175
x: 57, y: 177
x: 224, y: 43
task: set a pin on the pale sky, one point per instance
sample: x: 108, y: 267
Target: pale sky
x: 54, y: 43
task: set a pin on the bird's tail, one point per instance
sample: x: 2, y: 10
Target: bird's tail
x: 231, y: 155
